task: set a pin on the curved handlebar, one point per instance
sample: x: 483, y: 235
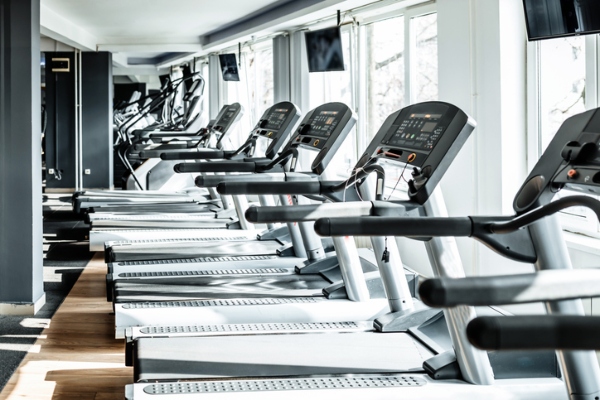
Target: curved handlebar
x: 308, y: 212
x: 215, y: 180
x: 535, y: 332
x: 380, y: 226
x: 218, y: 166
x: 195, y: 155
x: 308, y: 187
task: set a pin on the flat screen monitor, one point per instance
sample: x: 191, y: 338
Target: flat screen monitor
x: 324, y: 50
x: 556, y: 18
x: 229, y: 67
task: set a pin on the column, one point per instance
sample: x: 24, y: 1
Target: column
x: 21, y: 270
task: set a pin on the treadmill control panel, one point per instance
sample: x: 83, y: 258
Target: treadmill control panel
x: 424, y: 137
x: 412, y: 137
x: 581, y: 171
x: 228, y: 117
x: 276, y: 124
x: 571, y: 160
x: 324, y: 129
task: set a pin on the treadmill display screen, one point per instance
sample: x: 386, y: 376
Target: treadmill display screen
x: 323, y: 124
x: 417, y: 132
x: 276, y: 118
x: 226, y: 117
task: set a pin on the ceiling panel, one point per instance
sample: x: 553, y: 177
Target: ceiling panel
x: 154, y: 21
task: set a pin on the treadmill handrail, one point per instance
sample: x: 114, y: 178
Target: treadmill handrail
x: 303, y: 188
x: 535, y: 332
x: 215, y: 180
x: 542, y: 286
x: 437, y: 227
x: 200, y: 154
x: 307, y: 212
x: 218, y: 166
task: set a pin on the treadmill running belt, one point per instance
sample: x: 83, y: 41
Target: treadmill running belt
x: 165, y: 289
x: 278, y: 355
x: 142, y: 252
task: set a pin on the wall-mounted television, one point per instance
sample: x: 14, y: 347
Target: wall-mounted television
x: 229, y: 67
x: 324, y: 50
x: 556, y: 18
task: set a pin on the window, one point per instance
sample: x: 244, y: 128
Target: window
x: 384, y: 50
x: 391, y: 61
x: 254, y: 91
x: 401, y: 66
x: 562, y: 75
x: 424, y: 67
x: 202, y: 66
x: 561, y: 84
x: 326, y: 87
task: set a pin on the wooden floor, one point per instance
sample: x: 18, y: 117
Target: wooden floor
x: 76, y: 357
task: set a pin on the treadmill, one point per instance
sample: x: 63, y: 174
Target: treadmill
x: 88, y: 199
x: 321, y: 132
x: 427, y: 361
x: 399, y: 289
x: 222, y: 127
x: 273, y: 128
x: 572, y: 161
x: 291, y: 297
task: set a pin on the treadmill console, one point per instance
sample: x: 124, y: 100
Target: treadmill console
x: 425, y: 137
x: 276, y: 124
x: 324, y: 129
x: 228, y: 116
x: 197, y: 85
x: 571, y: 160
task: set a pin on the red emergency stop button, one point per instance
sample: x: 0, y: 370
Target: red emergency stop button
x: 572, y: 174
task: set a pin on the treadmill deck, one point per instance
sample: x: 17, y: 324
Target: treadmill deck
x: 278, y: 355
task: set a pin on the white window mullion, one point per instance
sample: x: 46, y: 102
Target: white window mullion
x: 362, y: 91
x: 408, y: 46
x: 534, y: 130
x: 591, y: 72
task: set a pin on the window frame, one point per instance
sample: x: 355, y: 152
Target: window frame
x: 585, y: 223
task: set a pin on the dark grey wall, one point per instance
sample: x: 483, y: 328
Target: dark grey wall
x: 96, y: 121
x: 21, y: 279
x: 60, y: 128
x: 97, y: 98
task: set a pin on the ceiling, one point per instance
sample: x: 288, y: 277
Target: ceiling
x: 148, y: 35
x: 154, y: 21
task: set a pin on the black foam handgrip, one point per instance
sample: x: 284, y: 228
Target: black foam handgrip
x: 310, y: 187
x: 194, y: 155
x: 475, y: 291
x: 383, y: 226
x: 208, y: 181
x: 164, y: 146
x: 171, y: 134
x: 219, y: 166
x: 535, y: 332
